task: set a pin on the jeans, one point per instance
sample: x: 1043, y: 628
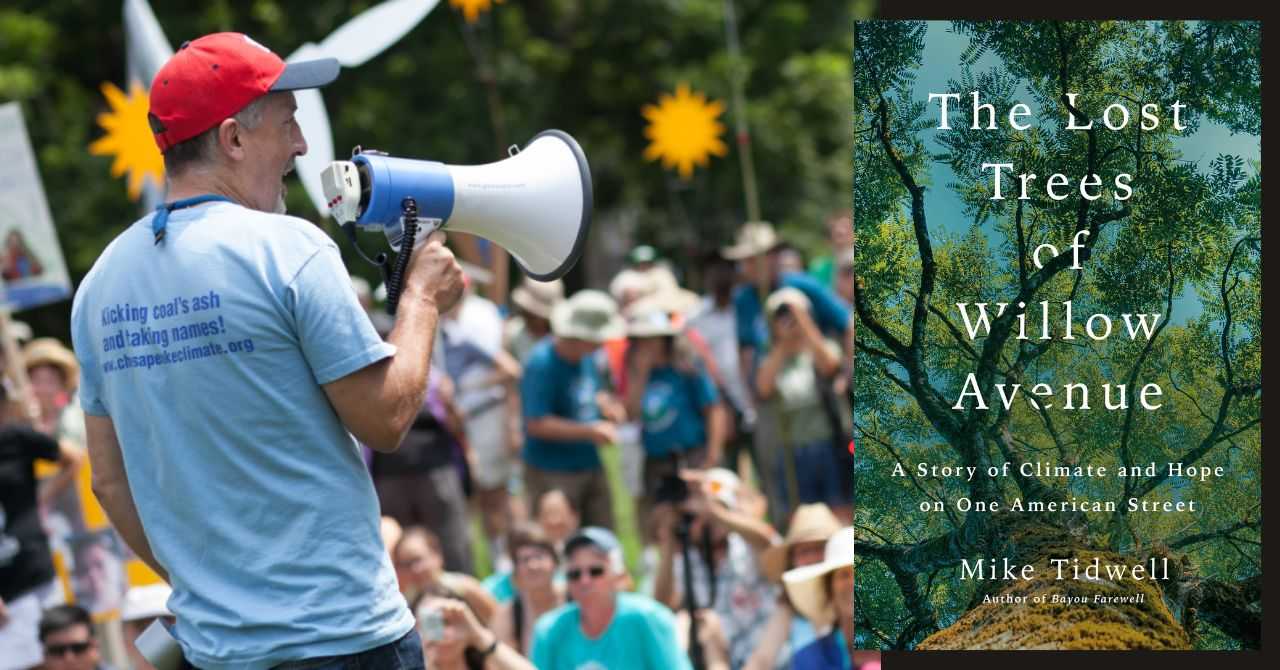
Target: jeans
x: 403, y: 654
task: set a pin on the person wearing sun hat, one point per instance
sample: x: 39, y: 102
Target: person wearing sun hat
x: 823, y: 594
x: 534, y: 301
x: 682, y: 419
x: 221, y: 320
x: 567, y: 414
x: 804, y: 467
x: 54, y: 373
x: 805, y: 543
x: 753, y: 249
x: 723, y: 515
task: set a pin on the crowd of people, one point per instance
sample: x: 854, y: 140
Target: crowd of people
x: 253, y: 479
x: 730, y: 418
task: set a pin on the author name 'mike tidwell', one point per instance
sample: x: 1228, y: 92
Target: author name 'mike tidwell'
x: 1066, y: 568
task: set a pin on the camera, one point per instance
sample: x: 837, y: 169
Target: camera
x: 671, y: 489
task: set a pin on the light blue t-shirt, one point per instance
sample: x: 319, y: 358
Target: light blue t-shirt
x: 552, y: 386
x: 642, y: 636
x: 208, y: 353
x: 672, y: 408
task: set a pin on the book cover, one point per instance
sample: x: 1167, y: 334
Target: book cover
x: 1058, y: 364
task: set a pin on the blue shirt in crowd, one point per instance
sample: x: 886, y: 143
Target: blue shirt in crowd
x: 828, y: 652
x: 552, y: 386
x: 672, y: 410
x: 830, y: 313
x: 208, y: 352
x: 642, y: 636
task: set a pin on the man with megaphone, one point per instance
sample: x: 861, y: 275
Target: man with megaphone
x: 229, y: 371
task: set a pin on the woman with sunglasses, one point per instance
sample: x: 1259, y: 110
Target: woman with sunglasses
x: 534, y: 561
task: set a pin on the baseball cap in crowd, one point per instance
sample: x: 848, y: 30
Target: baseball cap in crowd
x: 211, y: 78
x: 589, y: 315
x: 600, y: 539
x: 754, y: 238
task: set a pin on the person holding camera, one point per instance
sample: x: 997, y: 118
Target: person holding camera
x: 681, y: 417
x: 568, y: 415
x: 229, y: 375
x: 758, y: 250
x: 789, y: 383
x: 454, y: 639
x: 722, y: 533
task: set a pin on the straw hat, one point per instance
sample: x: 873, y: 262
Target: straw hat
x: 754, y: 238
x: 806, y: 585
x: 49, y: 351
x: 538, y: 297
x: 810, y: 523
x: 589, y: 315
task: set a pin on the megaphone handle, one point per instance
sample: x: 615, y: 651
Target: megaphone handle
x: 408, y: 210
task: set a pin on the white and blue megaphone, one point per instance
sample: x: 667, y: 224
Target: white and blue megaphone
x: 536, y: 204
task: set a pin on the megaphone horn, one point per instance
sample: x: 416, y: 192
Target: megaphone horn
x: 535, y: 204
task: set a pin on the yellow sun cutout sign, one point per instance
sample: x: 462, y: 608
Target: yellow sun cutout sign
x: 471, y: 8
x: 129, y: 138
x: 683, y: 130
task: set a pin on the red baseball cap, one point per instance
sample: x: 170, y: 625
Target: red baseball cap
x: 211, y: 78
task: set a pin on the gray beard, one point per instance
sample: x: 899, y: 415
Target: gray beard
x: 280, y: 206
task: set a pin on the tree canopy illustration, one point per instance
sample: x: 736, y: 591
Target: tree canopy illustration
x: 1189, y: 233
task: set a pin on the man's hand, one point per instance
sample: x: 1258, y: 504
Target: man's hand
x: 610, y: 407
x: 4, y: 613
x: 603, y: 433
x: 434, y: 274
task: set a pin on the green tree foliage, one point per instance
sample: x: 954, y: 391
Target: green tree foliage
x: 462, y: 93
x: 1188, y: 230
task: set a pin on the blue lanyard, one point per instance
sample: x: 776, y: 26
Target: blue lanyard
x: 161, y: 219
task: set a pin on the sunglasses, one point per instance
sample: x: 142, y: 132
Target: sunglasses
x: 76, y: 648
x: 595, y: 571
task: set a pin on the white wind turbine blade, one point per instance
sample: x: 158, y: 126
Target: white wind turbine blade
x: 313, y: 118
x: 146, y: 49
x: 375, y: 29
x: 353, y: 43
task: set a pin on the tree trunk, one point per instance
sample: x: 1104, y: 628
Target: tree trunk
x: 1068, y: 623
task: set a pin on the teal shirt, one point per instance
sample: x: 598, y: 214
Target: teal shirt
x: 552, y: 386
x: 642, y: 636
x: 672, y: 410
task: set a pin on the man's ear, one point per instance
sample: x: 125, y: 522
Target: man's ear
x: 231, y: 139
